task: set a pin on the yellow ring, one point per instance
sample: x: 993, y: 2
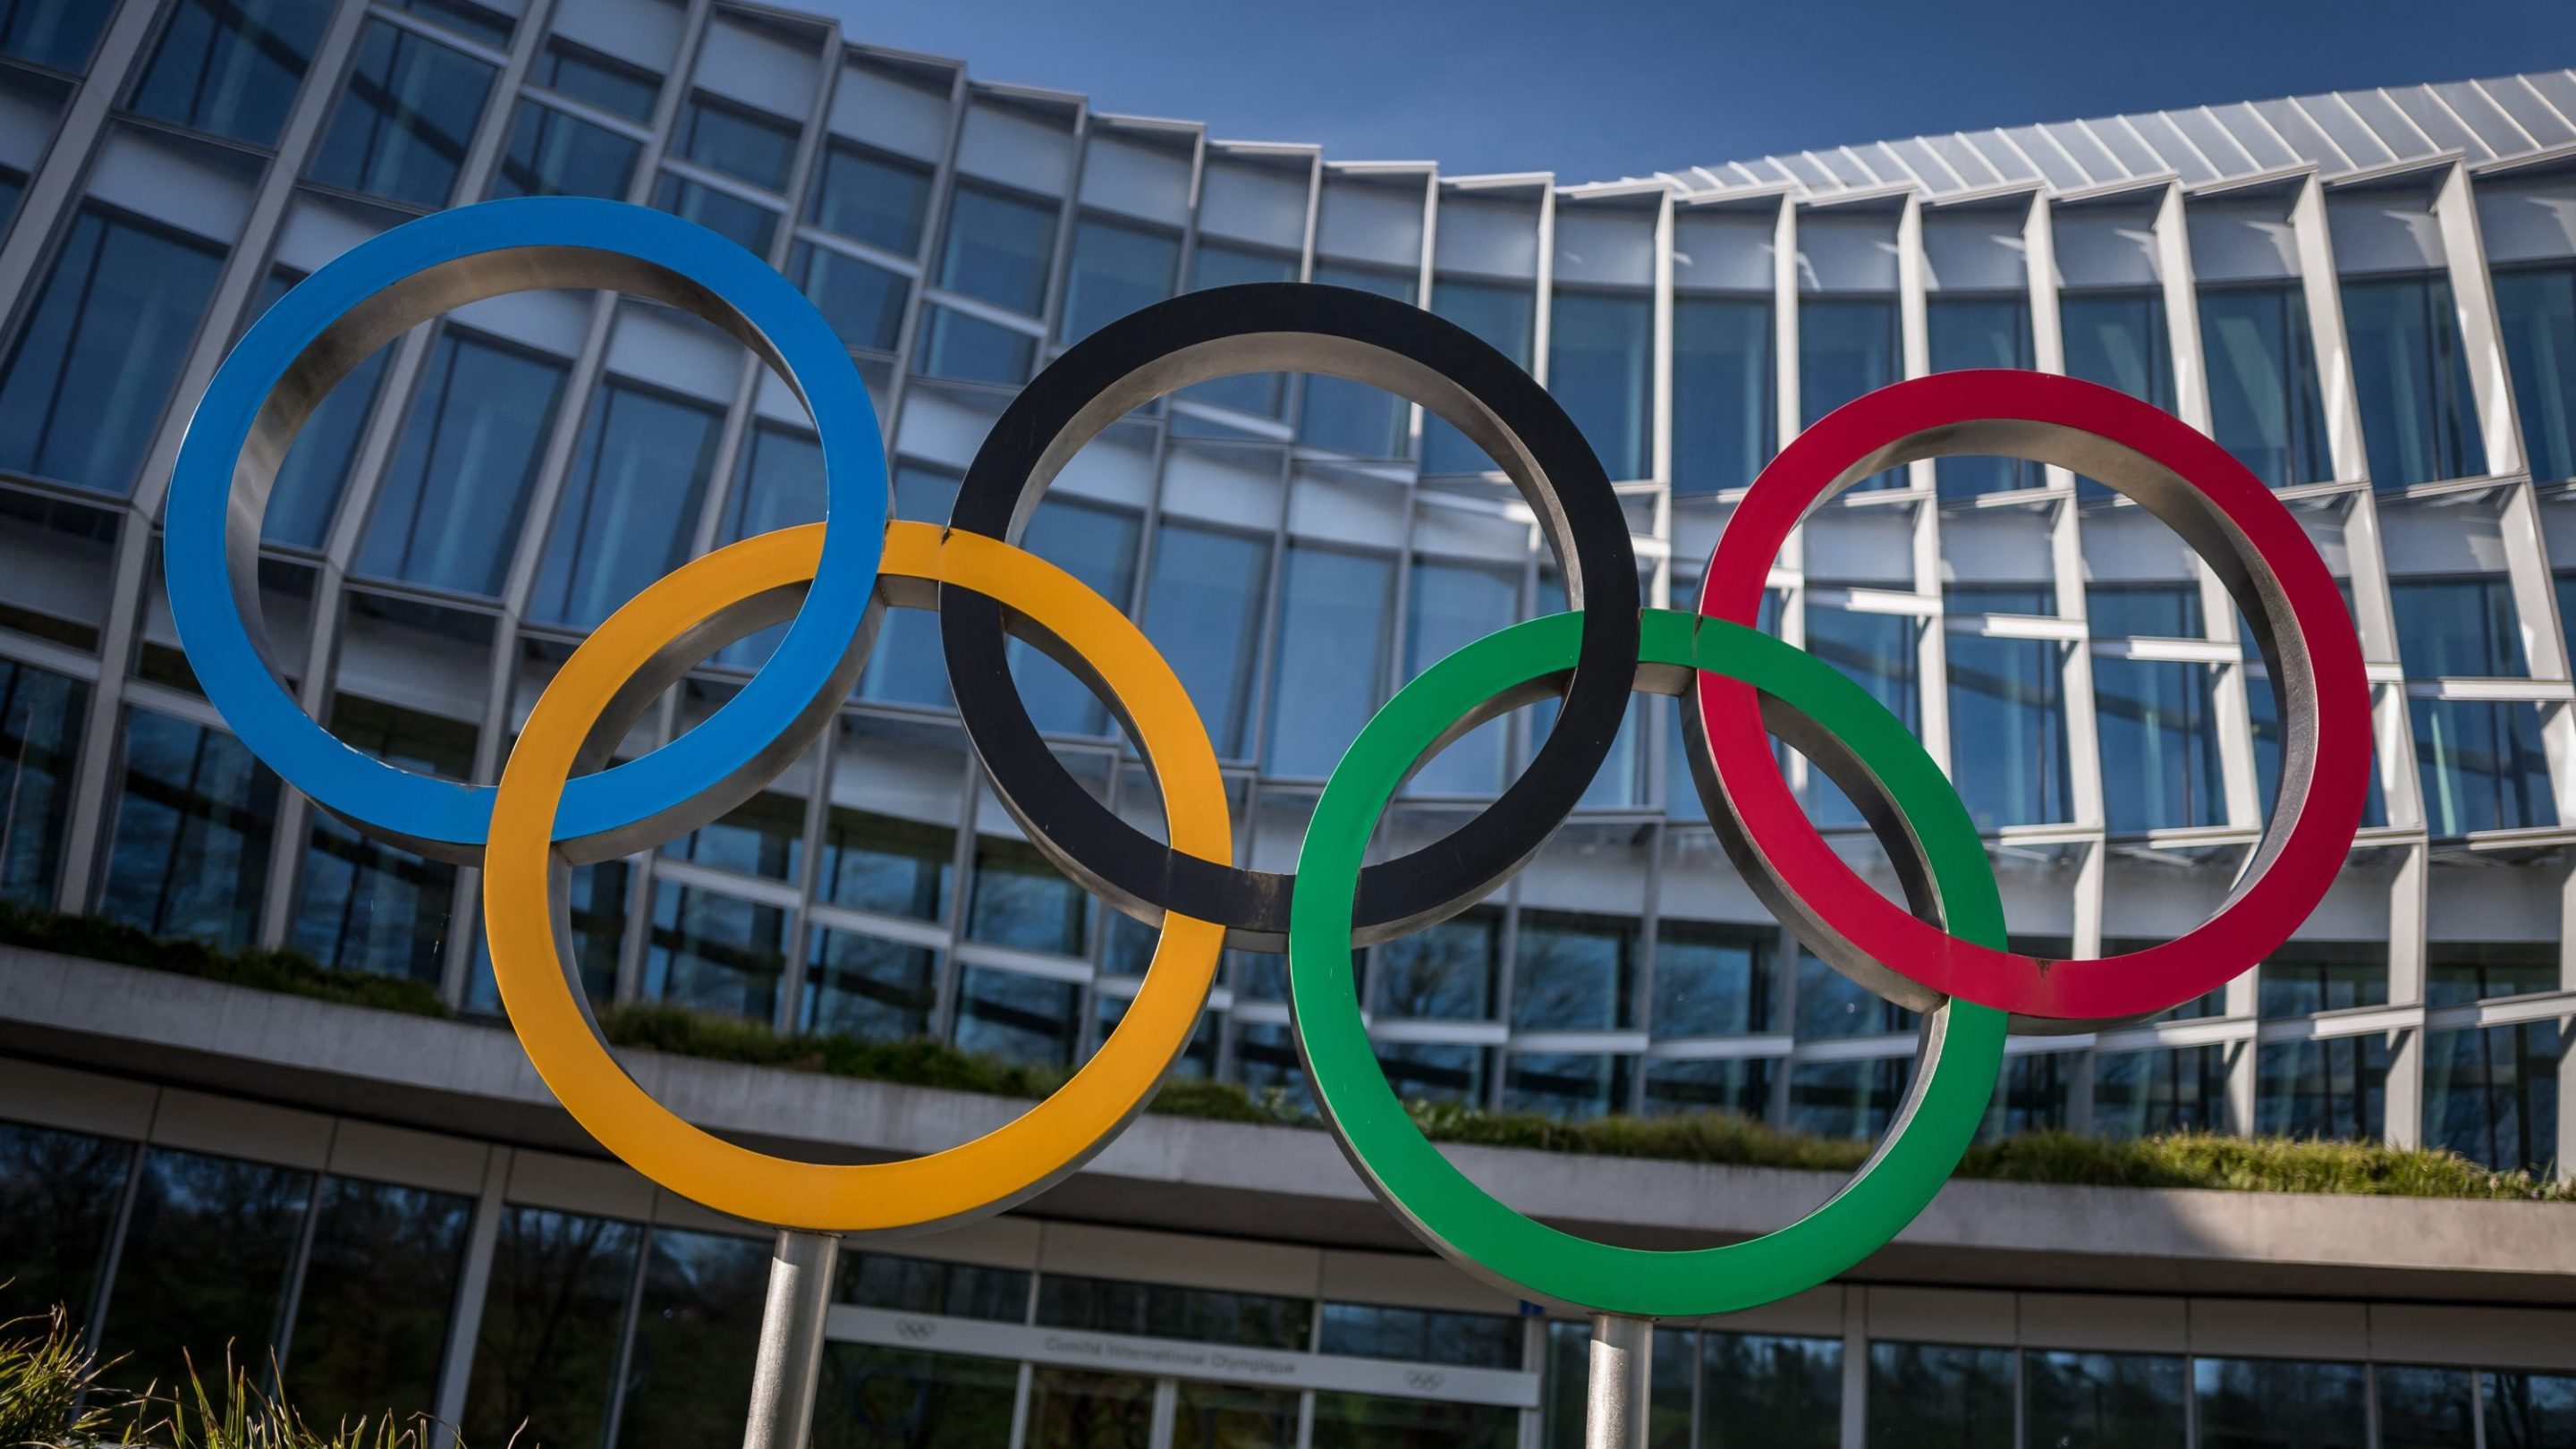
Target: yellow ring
x: 993, y: 1171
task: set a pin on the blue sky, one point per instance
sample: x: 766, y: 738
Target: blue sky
x: 1595, y: 89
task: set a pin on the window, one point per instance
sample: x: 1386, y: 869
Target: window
x: 100, y: 348
x: 2481, y: 765
x: 1098, y: 546
x: 1354, y: 417
x: 1503, y: 315
x: 2140, y: 1094
x: 998, y: 247
x: 2525, y: 1411
x: 366, y: 906
x: 1450, y: 971
x: 2457, y: 626
x: 2009, y: 694
x: 1018, y: 1017
x: 1831, y: 1004
x: 306, y: 495
x: 874, y: 1398
x: 2117, y: 337
x: 1217, y: 264
x: 763, y: 836
x: 1455, y: 603
x: 905, y: 666
x: 203, y: 1266
x: 2102, y: 1398
x: 2140, y: 611
x: 1620, y: 782
x: 477, y: 22
x: 554, y: 153
x: 2266, y: 405
x: 2245, y: 1402
x: 738, y: 140
x: 2536, y: 308
x: 1203, y: 608
x: 1022, y: 901
x: 586, y: 75
x: 1117, y: 268
x: 2334, y: 1088
x: 870, y: 196
x: 2491, y: 1094
x: 1726, y: 412
x: 54, y: 33
x: 59, y: 1193
x: 747, y: 224
x: 595, y: 915
x: 1791, y: 1387
x: 1934, y: 1393
x: 230, y: 66
x: 891, y: 866
x: 547, y: 1356
x: 2418, y: 414
x: 1569, y: 1087
x: 1740, y: 1085
x: 1712, y: 979
x: 371, y: 1312
x: 1847, y: 346
x: 1846, y: 1099
x: 1970, y: 331
x: 697, y: 1328
x: 401, y: 129
x: 2159, y: 721
x: 1428, y: 1072
x: 2302, y: 977
x: 778, y: 483
x: 1575, y: 971
x: 923, y: 1285
x: 41, y: 713
x: 630, y: 505
x: 970, y: 349
x: 193, y: 825
x: 2459, y: 972
x: 1600, y: 366
x: 1158, y: 1310
x: 862, y: 301
x: 1331, y: 643
x: 448, y: 511
x: 2264, y: 706
x: 1882, y: 652
x: 2031, y: 1097
x: 1422, y: 1335
x: 1266, y: 1060
x: 869, y: 988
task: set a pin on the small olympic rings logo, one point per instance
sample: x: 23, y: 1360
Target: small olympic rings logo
x: 1943, y: 953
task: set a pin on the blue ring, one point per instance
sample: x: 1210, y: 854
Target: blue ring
x: 398, y: 802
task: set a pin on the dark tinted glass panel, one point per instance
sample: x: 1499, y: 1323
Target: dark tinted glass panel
x: 1368, y: 1421
x: 689, y: 1372
x: 894, y: 1398
x: 1203, y: 610
x: 2103, y: 1400
x: 2481, y: 765
x: 1077, y: 1409
x: 193, y: 825
x: 998, y: 247
x: 1431, y: 1072
x: 230, y: 66
x: 306, y: 495
x: 629, y: 505
x: 2118, y: 339
x: 40, y: 724
x: 1738, y: 1085
x: 1846, y: 346
x: 1938, y: 1394
x: 737, y: 140
x: 881, y: 863
x: 906, y: 665
x: 1233, y: 1416
x: 868, y: 988
x: 1846, y: 1099
x: 595, y: 79
x: 1021, y: 900
x: 2327, y: 1089
x: 863, y: 302
x: 2425, y: 1408
x: 101, y: 347
x: 1726, y: 411
x: 1756, y: 1389
x: 2536, y: 308
x: 2031, y: 1096
x: 763, y: 836
x: 595, y: 913
x: 1163, y: 1310
x: 2418, y: 414
x: 203, y: 1270
x: 371, y: 1318
x: 1599, y: 365
x: 1502, y: 314
x: 748, y: 224
x: 1971, y: 332
x: 1353, y: 417
x: 1098, y: 546
x: 1018, y: 1017
x: 1328, y: 662
x: 2305, y: 976
x: 1573, y: 1087
x: 1831, y: 1004
x: 925, y: 1285
x: 1712, y: 979
x: 2140, y: 611
x: 1445, y: 971
x: 2139, y: 1094
x: 2010, y: 694
x: 2265, y: 403
x: 2457, y: 626
x: 1216, y: 264
x: 2526, y: 1411
x: 1266, y: 1060
x: 1117, y: 268
x: 56, y: 33
x: 2159, y: 723
x: 58, y: 1197
x: 479, y: 22
x: 401, y: 129
x: 969, y: 349
x: 369, y: 906
x: 715, y: 953
x: 2253, y: 1403
x: 449, y: 509
x: 1575, y: 971
x: 2457, y: 972
x: 2492, y: 1096
x: 546, y: 1355
x: 1881, y: 651
x: 1454, y: 604
x: 778, y: 483
x: 870, y: 196
x: 552, y: 153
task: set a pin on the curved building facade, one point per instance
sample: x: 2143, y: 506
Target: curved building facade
x: 2370, y: 298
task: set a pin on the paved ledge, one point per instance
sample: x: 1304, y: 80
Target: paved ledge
x: 1284, y: 1183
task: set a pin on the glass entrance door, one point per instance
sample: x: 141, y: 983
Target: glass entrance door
x: 1082, y: 1409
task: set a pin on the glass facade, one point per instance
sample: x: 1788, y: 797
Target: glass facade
x: 2419, y: 415
x: 1726, y: 411
x: 230, y: 67
x: 401, y: 128
x: 2266, y: 401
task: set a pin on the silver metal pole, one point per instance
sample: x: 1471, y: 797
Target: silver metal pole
x: 1614, y: 1394
x: 791, y: 1340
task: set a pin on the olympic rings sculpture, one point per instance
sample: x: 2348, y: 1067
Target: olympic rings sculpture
x: 559, y: 804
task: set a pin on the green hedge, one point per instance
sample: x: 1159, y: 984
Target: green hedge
x: 2202, y: 1160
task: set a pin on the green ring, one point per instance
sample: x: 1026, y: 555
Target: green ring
x: 1965, y: 1041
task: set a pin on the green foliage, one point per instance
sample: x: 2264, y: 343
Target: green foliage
x: 2252, y: 1164
x: 240, y: 1415
x: 44, y: 1371
x: 292, y: 972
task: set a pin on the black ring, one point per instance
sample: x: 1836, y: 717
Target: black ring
x: 1296, y: 327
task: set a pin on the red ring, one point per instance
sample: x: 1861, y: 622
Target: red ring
x: 2319, y: 807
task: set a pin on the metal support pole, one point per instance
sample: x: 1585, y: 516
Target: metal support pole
x: 791, y: 1340
x: 1614, y: 1394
